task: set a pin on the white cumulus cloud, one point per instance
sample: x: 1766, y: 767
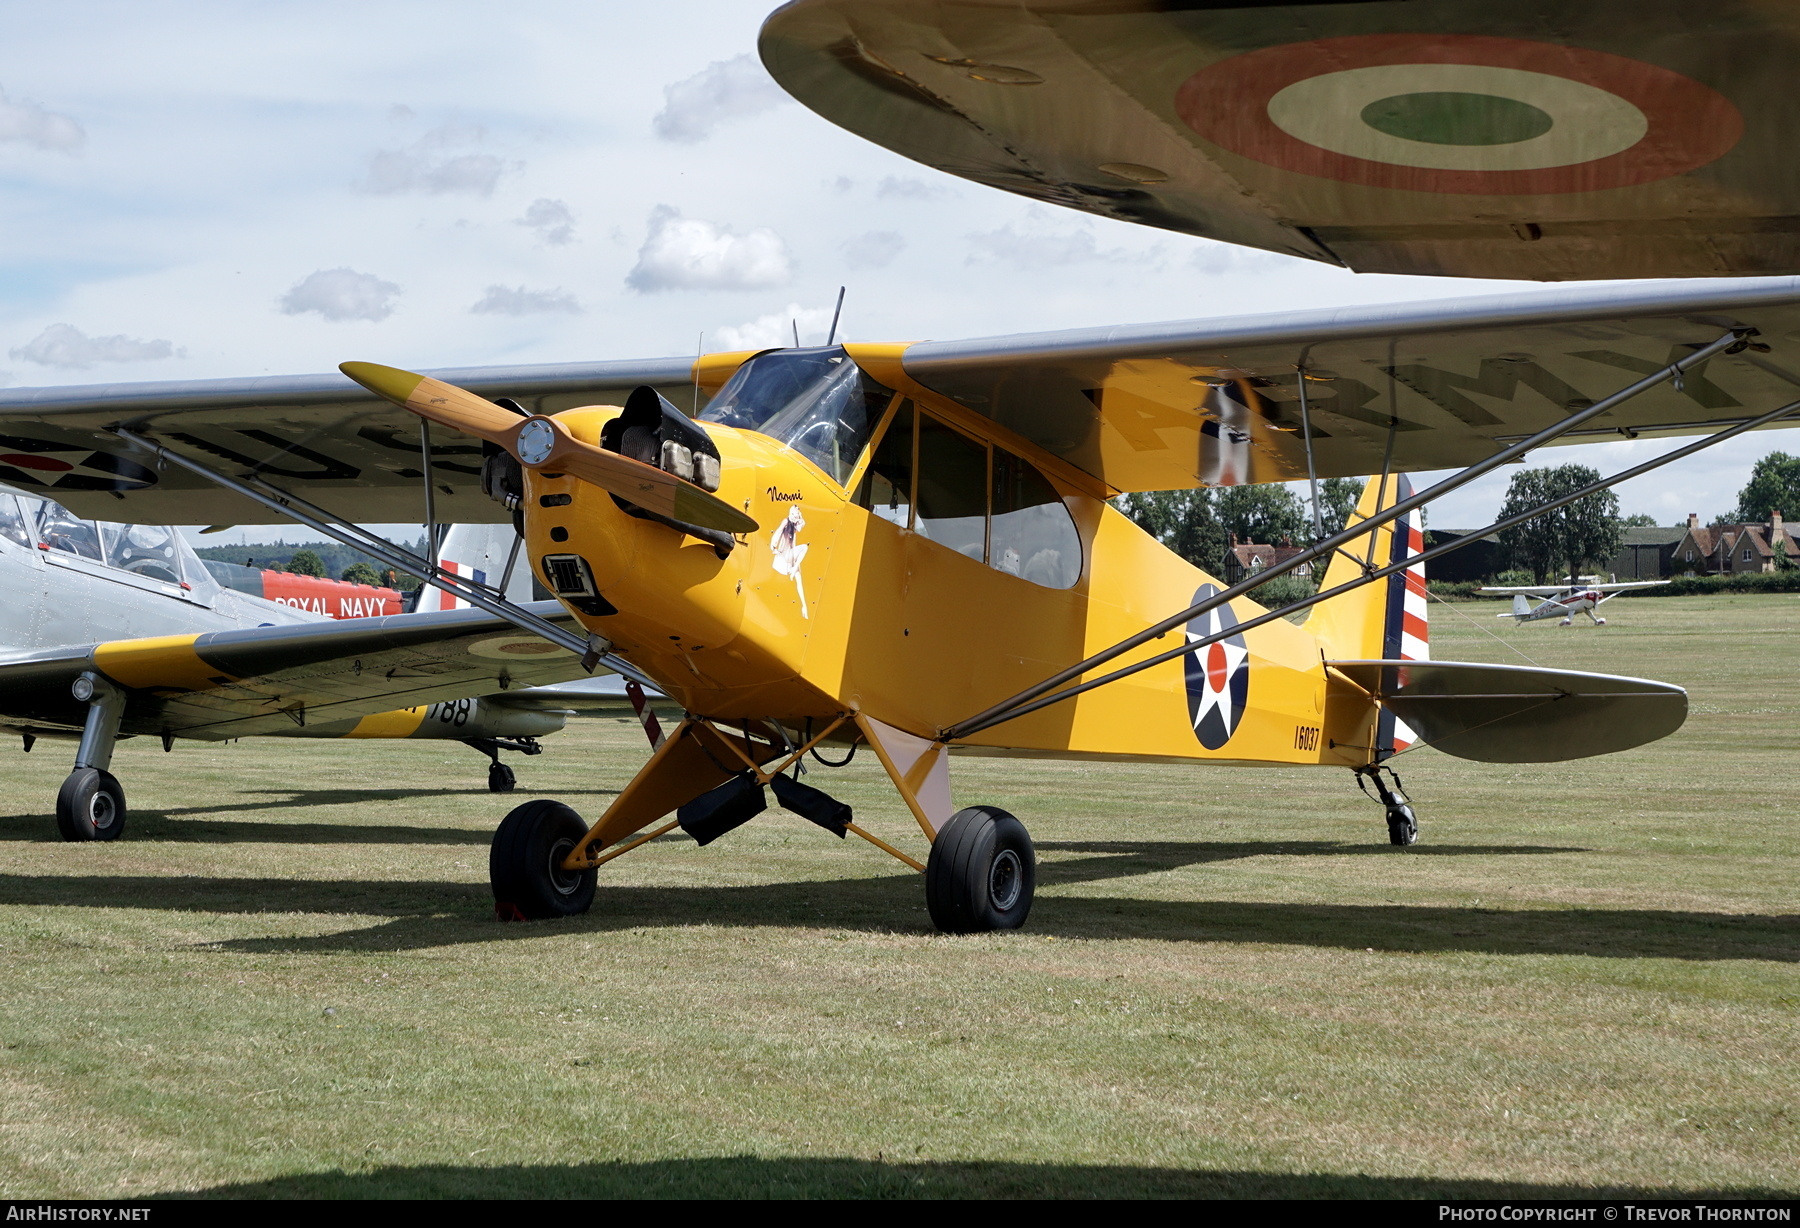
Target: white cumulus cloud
x: 893, y: 188
x: 518, y: 301
x: 777, y: 329
x: 1029, y: 249
x: 722, y: 91
x: 31, y: 124
x: 682, y: 253
x: 433, y: 164
x: 554, y: 223
x: 873, y: 250
x: 64, y: 345
x: 341, y: 294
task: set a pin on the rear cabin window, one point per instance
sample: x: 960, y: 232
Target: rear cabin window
x: 146, y: 550
x: 980, y: 501
x: 1031, y: 534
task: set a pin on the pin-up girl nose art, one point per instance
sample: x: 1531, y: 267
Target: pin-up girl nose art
x: 785, y: 542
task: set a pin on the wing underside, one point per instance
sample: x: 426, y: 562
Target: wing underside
x: 275, y: 680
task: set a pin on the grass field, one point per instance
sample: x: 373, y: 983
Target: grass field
x: 286, y: 980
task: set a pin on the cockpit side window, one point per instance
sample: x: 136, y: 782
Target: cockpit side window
x: 1031, y: 535
x: 12, y: 522
x: 816, y: 401
x: 886, y: 488
x: 146, y: 550
x: 953, y: 470
x: 60, y: 529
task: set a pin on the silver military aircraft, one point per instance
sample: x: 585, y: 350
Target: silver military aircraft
x: 103, y: 624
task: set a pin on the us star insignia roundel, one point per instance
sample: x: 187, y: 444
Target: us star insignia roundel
x: 1218, y: 675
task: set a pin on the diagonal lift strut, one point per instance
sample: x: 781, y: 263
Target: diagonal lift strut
x: 1040, y: 695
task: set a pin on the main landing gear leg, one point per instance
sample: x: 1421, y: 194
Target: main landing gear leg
x: 91, y: 805
x: 500, y: 776
x: 1403, y: 824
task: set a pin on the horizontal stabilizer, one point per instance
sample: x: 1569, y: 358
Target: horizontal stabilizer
x: 1516, y: 714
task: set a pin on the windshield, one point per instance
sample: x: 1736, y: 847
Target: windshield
x: 816, y: 401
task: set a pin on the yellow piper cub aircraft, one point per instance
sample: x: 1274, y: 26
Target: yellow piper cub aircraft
x: 836, y: 553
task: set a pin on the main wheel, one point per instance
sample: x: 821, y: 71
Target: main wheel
x: 1403, y: 825
x: 981, y: 872
x: 500, y: 778
x: 90, y: 806
x: 525, y: 864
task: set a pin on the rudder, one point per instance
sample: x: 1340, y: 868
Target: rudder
x: 1386, y: 620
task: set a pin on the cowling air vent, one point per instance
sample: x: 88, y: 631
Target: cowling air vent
x: 573, y: 580
x: 653, y: 431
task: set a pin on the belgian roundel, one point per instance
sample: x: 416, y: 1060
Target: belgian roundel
x: 1218, y: 675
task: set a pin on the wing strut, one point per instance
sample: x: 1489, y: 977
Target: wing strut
x: 1034, y: 697
x: 592, y: 649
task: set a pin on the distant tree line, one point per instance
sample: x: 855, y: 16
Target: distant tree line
x: 325, y: 559
x: 1556, y: 547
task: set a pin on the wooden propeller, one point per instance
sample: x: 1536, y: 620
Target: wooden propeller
x: 545, y: 445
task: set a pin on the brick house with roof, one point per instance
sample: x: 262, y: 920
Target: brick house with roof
x: 1731, y: 549
x: 1247, y: 558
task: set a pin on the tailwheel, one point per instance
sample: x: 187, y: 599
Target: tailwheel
x: 1403, y: 825
x: 525, y: 864
x: 90, y: 806
x: 981, y: 873
x: 500, y: 778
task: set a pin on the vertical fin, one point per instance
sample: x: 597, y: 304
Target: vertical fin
x: 1382, y: 621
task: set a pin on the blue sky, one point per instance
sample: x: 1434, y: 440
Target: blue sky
x: 191, y: 190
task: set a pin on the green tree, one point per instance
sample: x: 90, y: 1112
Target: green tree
x: 1638, y: 520
x: 1337, y: 499
x: 362, y: 573
x: 1774, y: 487
x: 1269, y: 514
x: 306, y: 563
x: 1566, y: 540
x: 1182, y: 520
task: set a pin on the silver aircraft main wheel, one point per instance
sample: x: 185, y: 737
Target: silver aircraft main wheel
x: 981, y: 872
x: 90, y: 806
x: 525, y: 864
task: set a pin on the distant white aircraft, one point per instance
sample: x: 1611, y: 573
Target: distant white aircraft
x: 1564, y: 600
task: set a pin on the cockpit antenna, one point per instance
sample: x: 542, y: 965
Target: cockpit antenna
x: 834, y: 316
x: 796, y: 324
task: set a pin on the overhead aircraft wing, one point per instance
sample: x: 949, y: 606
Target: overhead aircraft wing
x: 347, y: 448
x: 234, y: 684
x: 1538, y: 141
x: 1529, y: 590
x: 1136, y: 407
x: 1217, y: 402
x: 1621, y: 585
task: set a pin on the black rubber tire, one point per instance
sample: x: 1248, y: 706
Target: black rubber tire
x: 501, y: 778
x: 981, y: 874
x: 1403, y: 825
x: 90, y: 806
x: 524, y: 864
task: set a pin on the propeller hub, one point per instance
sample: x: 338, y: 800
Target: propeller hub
x: 535, y: 442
